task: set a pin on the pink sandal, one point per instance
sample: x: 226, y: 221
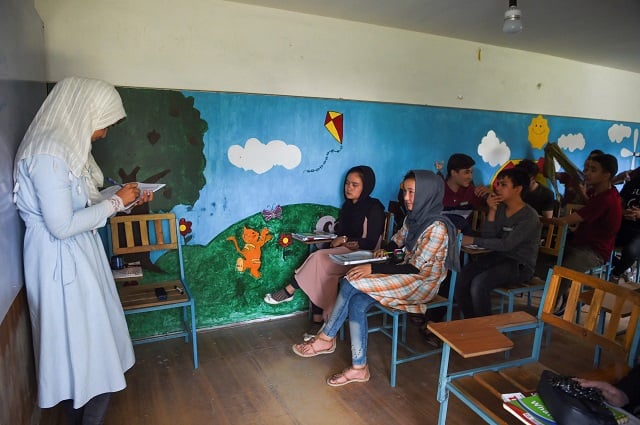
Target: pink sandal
x: 340, y: 379
x: 306, y: 349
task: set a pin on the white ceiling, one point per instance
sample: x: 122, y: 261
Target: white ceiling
x: 600, y: 32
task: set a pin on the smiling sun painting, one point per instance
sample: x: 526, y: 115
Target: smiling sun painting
x: 538, y: 132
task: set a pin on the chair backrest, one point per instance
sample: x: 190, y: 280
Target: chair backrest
x: 477, y: 219
x: 387, y: 233
x: 553, y: 238
x: 618, y: 300
x: 143, y: 233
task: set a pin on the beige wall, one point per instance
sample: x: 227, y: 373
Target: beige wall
x: 221, y: 46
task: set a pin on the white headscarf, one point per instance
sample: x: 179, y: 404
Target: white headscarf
x: 75, y: 108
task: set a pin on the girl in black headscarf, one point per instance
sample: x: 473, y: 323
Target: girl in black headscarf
x: 359, y: 226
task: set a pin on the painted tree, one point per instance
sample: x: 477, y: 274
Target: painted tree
x: 160, y: 141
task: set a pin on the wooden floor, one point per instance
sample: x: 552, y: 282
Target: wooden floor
x: 249, y: 375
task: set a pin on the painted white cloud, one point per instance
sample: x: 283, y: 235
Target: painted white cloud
x: 492, y: 150
x: 260, y: 158
x: 571, y: 142
x: 617, y: 132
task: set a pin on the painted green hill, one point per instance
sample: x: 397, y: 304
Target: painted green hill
x: 222, y: 294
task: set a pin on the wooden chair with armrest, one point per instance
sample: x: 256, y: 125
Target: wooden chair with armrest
x: 142, y: 233
x: 480, y: 388
x: 552, y: 241
x: 606, y: 307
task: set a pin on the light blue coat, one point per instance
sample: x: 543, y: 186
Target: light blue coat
x: 81, y: 341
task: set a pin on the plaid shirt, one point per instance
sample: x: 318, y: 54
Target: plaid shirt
x: 411, y: 292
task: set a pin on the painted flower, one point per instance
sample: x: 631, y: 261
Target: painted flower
x: 184, y: 226
x: 285, y: 240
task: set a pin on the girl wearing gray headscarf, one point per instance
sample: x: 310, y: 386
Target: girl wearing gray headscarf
x: 80, y: 337
x: 429, y: 240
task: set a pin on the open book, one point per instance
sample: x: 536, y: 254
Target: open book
x: 356, y: 257
x: 109, y: 191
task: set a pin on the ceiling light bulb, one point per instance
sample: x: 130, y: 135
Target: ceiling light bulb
x: 512, y: 23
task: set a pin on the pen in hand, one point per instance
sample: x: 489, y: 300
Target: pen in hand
x: 113, y: 182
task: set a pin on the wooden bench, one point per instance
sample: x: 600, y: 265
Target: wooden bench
x: 480, y: 388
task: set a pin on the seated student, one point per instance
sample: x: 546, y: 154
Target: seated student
x: 430, y: 244
x: 575, y: 192
x: 599, y: 220
x: 539, y: 197
x: 461, y: 198
x: 460, y: 194
x: 512, y: 233
x: 359, y: 226
x: 629, y: 234
x: 624, y: 394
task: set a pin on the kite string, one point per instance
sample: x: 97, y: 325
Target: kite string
x: 326, y: 158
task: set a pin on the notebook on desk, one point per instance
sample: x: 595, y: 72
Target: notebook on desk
x: 356, y: 257
x: 314, y: 237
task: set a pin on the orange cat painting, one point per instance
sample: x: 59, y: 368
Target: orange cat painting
x: 252, y: 251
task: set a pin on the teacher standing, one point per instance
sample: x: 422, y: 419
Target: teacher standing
x: 81, y: 341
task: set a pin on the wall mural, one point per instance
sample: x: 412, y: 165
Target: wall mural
x: 245, y: 171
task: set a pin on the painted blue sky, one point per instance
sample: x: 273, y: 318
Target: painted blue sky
x: 391, y: 138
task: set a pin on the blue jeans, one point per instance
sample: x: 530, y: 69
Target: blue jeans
x: 354, y: 304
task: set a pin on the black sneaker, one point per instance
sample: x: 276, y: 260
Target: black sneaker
x: 430, y: 338
x: 280, y: 296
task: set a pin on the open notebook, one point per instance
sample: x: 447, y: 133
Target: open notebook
x: 356, y: 257
x: 111, y: 190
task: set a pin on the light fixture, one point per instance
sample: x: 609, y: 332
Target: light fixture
x: 512, y: 23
